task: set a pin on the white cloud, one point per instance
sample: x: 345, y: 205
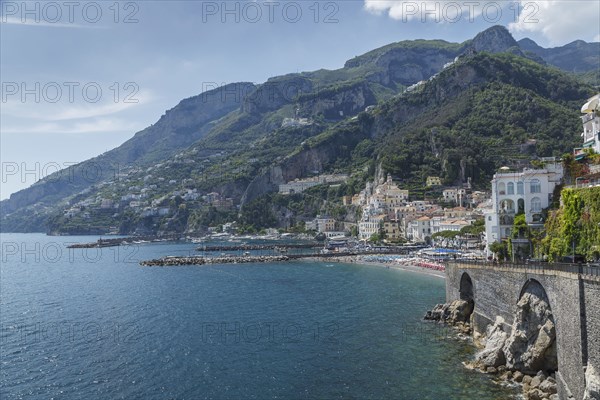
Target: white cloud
x: 63, y: 110
x: 4, y: 19
x: 69, y: 127
x: 431, y: 11
x: 558, y: 21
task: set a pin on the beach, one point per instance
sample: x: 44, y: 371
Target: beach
x: 363, y: 260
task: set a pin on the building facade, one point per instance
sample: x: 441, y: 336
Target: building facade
x: 591, y: 124
x: 527, y: 192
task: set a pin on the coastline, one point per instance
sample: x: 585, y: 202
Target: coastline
x: 358, y: 261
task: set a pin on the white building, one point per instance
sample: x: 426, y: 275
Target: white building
x: 528, y: 192
x: 296, y: 187
x: 591, y: 124
x: 455, y: 195
x: 420, y: 229
x: 300, y: 185
x: 325, y: 224
x: 369, y: 226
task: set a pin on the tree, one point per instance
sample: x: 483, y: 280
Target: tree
x: 375, y: 238
x: 499, y: 250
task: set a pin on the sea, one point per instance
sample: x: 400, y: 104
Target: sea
x: 94, y: 324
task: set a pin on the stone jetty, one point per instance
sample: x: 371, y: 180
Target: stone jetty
x: 171, y: 261
x: 181, y: 261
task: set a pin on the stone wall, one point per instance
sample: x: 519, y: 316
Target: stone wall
x: 591, y: 301
x: 575, y: 304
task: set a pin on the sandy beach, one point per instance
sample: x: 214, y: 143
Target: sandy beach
x: 409, y: 268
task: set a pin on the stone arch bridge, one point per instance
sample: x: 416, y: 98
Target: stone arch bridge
x: 573, y: 294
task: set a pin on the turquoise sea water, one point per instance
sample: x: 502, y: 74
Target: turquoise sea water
x: 92, y: 324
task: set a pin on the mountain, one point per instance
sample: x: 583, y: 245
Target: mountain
x: 415, y: 108
x: 181, y: 126
x: 577, y: 56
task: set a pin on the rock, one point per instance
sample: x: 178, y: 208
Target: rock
x: 460, y: 311
x: 548, y: 386
x: 592, y: 383
x: 502, y: 369
x: 518, y: 376
x: 536, y: 381
x: 526, y: 379
x: 457, y: 314
x: 492, y: 355
x: 541, y: 374
x: 491, y: 370
x: 438, y: 313
x: 506, y: 376
x: 535, y: 394
x: 554, y: 397
x: 532, y: 344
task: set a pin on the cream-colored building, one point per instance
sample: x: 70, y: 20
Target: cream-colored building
x: 433, y: 181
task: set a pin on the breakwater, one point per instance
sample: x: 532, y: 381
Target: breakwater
x: 182, y: 261
x: 171, y: 261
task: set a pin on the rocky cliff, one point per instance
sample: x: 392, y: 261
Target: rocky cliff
x: 524, y: 353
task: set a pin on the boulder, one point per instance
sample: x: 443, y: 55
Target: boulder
x: 535, y: 394
x: 460, y: 311
x: 457, y: 314
x: 506, y: 376
x: 592, y: 383
x: 526, y: 379
x: 549, y: 386
x: 518, y: 376
x: 532, y: 344
x: 492, y: 355
x: 536, y: 382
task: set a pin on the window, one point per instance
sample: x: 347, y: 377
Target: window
x: 501, y: 188
x: 536, y: 205
x: 520, y: 206
x: 510, y: 188
x: 535, y: 186
x: 520, y: 189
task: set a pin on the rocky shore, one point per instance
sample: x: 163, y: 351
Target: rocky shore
x: 523, y: 353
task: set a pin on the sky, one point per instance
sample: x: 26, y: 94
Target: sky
x: 81, y: 77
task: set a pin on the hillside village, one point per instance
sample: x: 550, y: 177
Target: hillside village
x: 463, y: 153
x: 382, y: 212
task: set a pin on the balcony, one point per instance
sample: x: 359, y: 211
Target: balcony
x: 507, y: 211
x: 588, y: 117
x: 536, y: 218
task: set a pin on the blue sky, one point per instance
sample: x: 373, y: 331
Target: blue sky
x: 81, y: 78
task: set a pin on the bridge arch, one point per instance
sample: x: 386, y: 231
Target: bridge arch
x: 533, y: 286
x: 532, y: 345
x: 466, y: 290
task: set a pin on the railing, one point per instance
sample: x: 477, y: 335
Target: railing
x: 538, y: 267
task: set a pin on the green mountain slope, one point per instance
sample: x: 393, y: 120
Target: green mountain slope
x: 478, y: 105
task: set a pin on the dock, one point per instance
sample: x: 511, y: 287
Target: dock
x: 123, y: 241
x: 250, y: 247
